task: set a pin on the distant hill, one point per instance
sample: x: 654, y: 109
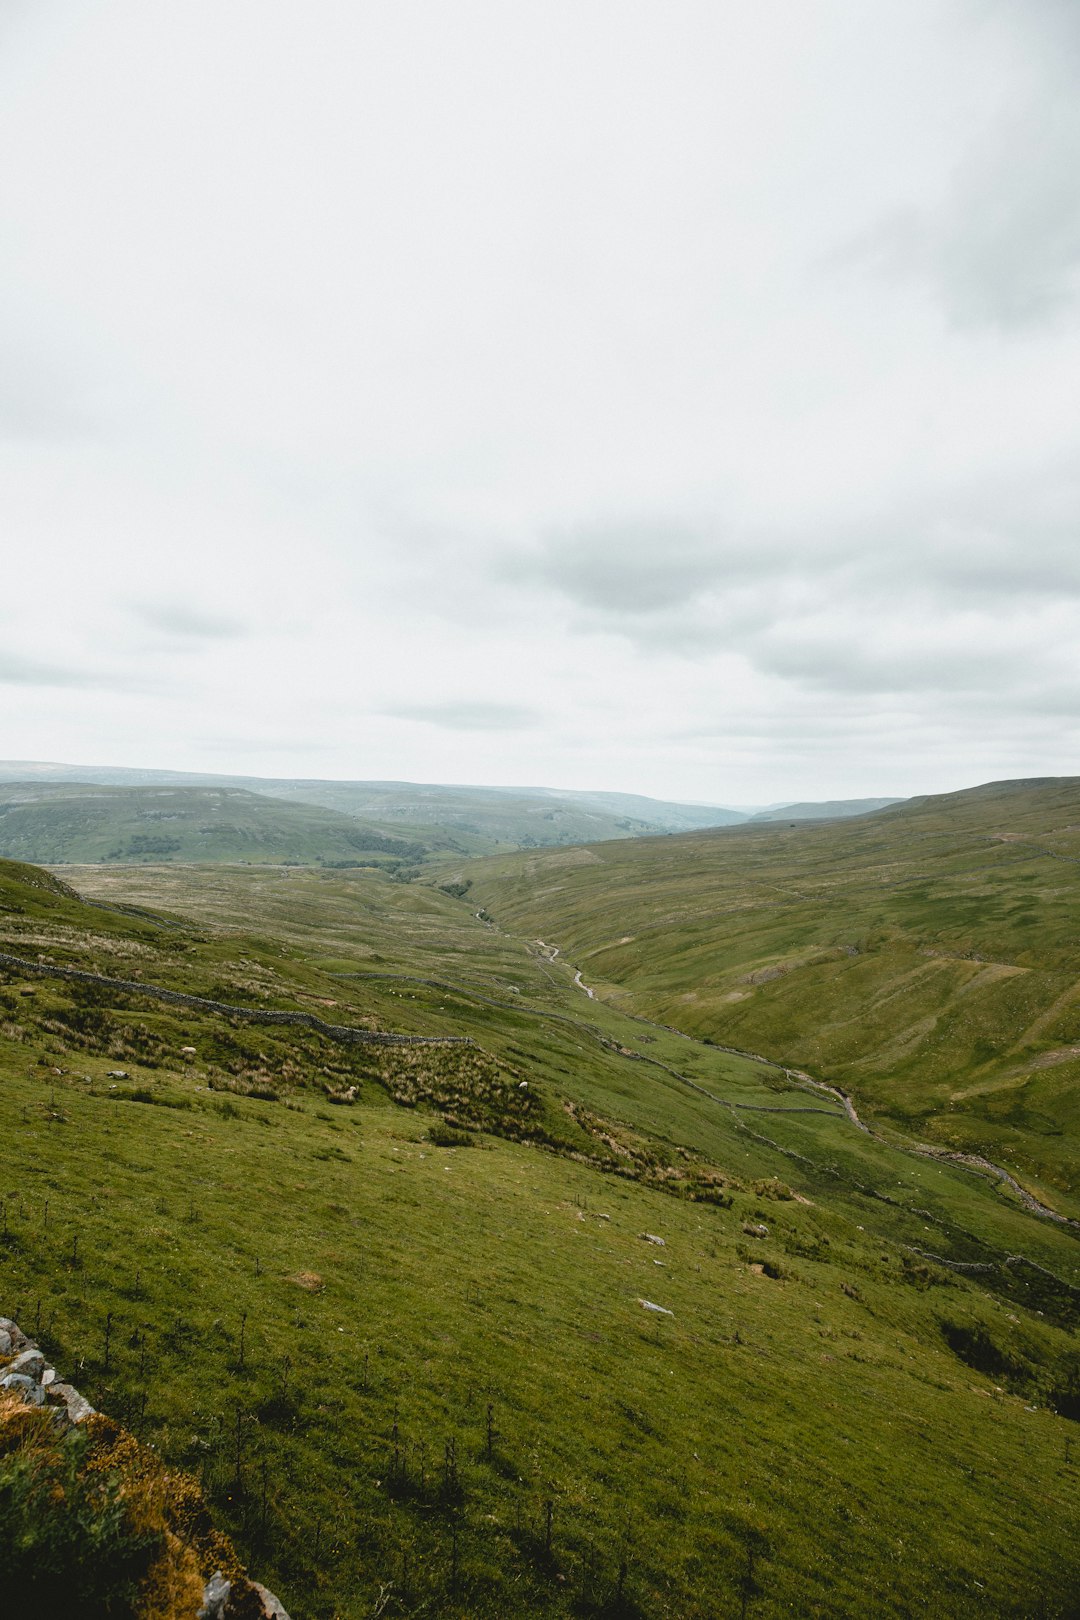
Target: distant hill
x: 827, y: 810
x: 65, y: 823
x: 475, y: 820
x: 658, y: 813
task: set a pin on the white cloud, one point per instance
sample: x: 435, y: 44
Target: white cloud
x: 678, y: 399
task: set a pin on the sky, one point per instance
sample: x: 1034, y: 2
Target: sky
x: 649, y: 395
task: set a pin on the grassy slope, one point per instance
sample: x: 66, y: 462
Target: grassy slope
x: 926, y: 959
x: 816, y: 1419
x: 472, y: 819
x: 62, y: 823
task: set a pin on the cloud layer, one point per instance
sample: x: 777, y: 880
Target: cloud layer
x: 672, y: 399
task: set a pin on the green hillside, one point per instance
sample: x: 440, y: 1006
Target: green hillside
x: 925, y: 959
x: 408, y: 1342
x: 473, y: 820
x: 824, y: 809
x: 60, y: 823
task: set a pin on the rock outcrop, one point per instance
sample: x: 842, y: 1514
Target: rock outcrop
x: 25, y: 1373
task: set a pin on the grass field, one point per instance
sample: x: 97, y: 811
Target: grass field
x: 925, y: 959
x: 419, y: 1372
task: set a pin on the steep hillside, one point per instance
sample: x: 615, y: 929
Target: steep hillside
x: 925, y: 959
x: 578, y: 1318
x: 62, y: 823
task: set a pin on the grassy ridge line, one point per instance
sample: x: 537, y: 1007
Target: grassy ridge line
x: 70, y: 823
x: 260, y: 1015
x: 945, y: 994
x: 977, y: 1164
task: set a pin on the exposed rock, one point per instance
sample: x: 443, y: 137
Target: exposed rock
x: 217, y: 1590
x: 19, y: 1384
x: 660, y: 1310
x: 18, y: 1338
x: 76, y: 1406
x: 651, y: 1237
x: 28, y: 1376
x: 239, y: 1600
x: 30, y: 1362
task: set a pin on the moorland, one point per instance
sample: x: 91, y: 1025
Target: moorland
x: 571, y: 1303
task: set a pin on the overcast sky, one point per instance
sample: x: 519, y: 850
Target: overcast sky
x: 653, y: 395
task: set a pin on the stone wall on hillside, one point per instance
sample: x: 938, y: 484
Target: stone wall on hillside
x: 25, y: 1372
x: 347, y: 1033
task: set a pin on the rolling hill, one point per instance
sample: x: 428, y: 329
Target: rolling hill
x: 62, y: 823
x: 463, y: 1294
x: 824, y: 809
x: 925, y: 959
x: 474, y: 820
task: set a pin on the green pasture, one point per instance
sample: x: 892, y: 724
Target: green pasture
x: 421, y: 1374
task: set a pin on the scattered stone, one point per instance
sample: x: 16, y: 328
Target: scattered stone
x: 28, y: 1376
x: 755, y: 1229
x: 650, y: 1237
x: 18, y: 1338
x: 238, y: 1600
x: 30, y: 1362
x: 117, y: 1074
x: 76, y: 1406
x: 20, y: 1384
x: 216, y: 1591
x: 659, y: 1309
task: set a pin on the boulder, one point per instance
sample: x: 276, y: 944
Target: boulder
x: 77, y: 1407
x: 19, y: 1384
x: 30, y: 1362
x: 216, y: 1591
x: 18, y: 1338
x: 239, y: 1600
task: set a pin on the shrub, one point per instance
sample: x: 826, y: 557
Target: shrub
x: 68, y: 1544
x: 445, y: 1136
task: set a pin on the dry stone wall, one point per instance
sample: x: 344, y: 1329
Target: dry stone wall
x: 25, y: 1372
x: 347, y: 1033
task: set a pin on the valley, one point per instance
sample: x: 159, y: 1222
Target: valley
x: 555, y: 1303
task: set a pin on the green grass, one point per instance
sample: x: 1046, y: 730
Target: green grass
x: 925, y: 959
x: 55, y: 813
x: 816, y: 1418
x: 65, y: 822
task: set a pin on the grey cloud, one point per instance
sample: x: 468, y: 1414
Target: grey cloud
x: 189, y: 623
x: 1002, y: 249
x: 838, y: 663
x: 638, y: 567
x: 465, y: 716
x: 17, y: 671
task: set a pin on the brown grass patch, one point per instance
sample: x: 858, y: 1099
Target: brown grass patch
x: 307, y: 1279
